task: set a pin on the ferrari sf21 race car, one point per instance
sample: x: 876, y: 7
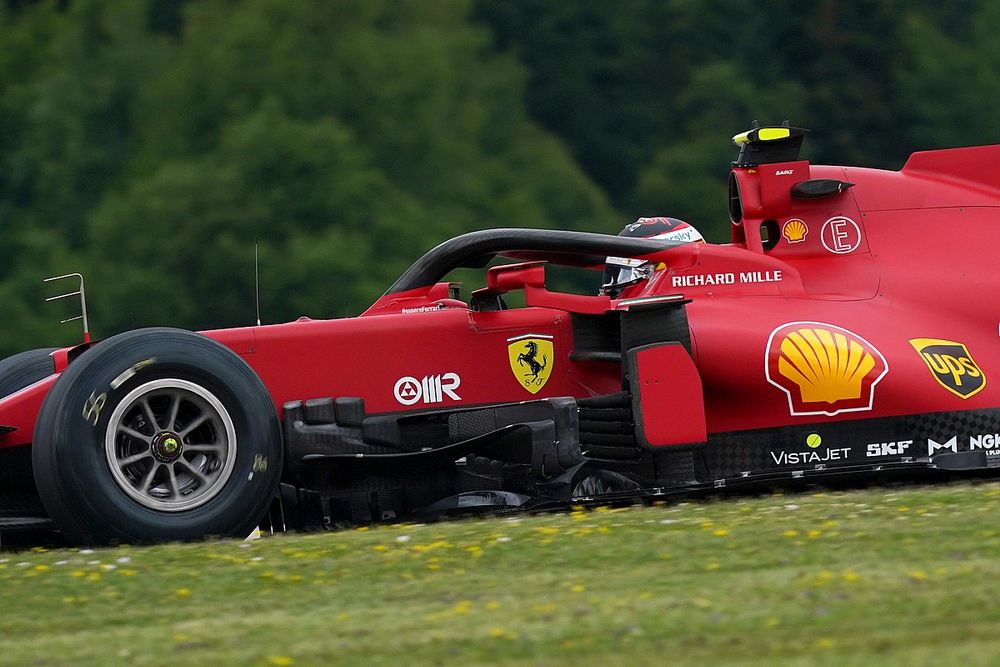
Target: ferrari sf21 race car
x: 849, y: 327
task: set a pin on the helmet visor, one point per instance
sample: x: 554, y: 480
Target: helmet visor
x: 620, y: 272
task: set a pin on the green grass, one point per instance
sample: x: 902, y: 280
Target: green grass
x: 904, y: 576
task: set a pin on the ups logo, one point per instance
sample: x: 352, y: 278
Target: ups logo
x: 951, y: 365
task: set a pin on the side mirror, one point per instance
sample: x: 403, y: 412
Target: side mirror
x: 510, y: 277
x: 530, y: 277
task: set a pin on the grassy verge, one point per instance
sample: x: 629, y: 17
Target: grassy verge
x: 891, y: 577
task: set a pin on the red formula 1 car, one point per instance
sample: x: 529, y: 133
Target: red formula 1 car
x: 849, y: 327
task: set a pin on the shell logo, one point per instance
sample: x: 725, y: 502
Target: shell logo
x: 822, y: 368
x: 794, y: 231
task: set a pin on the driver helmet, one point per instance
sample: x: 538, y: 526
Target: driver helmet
x: 620, y: 272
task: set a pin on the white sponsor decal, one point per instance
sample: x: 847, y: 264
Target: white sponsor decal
x: 888, y: 448
x: 530, y: 335
x: 784, y: 172
x: 743, y: 278
x: 840, y: 235
x: 684, y: 235
x: 625, y: 261
x: 429, y: 389
x: 990, y: 442
x: 421, y: 309
x: 795, y: 458
x: 933, y: 445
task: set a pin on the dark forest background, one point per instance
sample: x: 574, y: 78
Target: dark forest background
x: 148, y: 144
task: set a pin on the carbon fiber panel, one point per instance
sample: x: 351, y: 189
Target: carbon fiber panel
x: 863, y: 441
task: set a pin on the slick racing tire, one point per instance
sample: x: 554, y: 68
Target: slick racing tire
x: 155, y: 435
x: 25, y: 368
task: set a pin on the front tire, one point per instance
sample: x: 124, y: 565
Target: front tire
x: 25, y: 368
x: 153, y: 435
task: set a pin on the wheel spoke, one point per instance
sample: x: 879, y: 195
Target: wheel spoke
x: 122, y: 463
x: 193, y: 470
x: 175, y: 405
x: 195, y: 424
x: 172, y: 480
x: 135, y: 435
x: 213, y: 448
x: 148, y: 479
x: 149, y: 413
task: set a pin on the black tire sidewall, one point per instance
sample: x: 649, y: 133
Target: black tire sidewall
x: 25, y: 368
x: 71, y: 468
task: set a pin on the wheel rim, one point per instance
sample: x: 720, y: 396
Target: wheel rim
x: 171, y: 445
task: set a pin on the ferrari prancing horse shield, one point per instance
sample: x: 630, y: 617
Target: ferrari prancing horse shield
x: 531, y: 359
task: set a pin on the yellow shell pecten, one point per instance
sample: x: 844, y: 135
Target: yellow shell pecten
x: 827, y: 366
x: 795, y: 230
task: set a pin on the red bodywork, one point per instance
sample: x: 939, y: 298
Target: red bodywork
x: 874, y: 277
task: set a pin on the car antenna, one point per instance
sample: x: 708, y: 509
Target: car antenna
x: 83, y: 302
x: 256, y: 280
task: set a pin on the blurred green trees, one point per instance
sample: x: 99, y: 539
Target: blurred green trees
x: 345, y: 138
x: 150, y: 144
